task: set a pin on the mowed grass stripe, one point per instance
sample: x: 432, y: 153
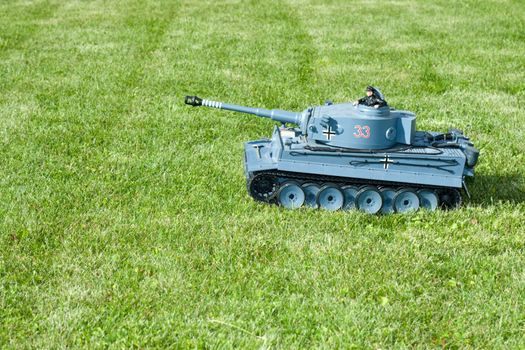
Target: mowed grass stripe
x: 68, y: 212
x: 196, y: 223
x: 79, y: 290
x: 19, y: 24
x: 20, y: 20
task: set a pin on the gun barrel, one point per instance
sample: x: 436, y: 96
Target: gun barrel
x: 274, y: 114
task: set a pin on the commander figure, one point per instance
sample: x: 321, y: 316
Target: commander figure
x: 373, y: 98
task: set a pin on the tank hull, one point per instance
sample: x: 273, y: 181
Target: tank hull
x: 418, y: 166
x: 422, y: 172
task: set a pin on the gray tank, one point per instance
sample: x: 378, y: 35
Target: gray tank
x: 345, y: 156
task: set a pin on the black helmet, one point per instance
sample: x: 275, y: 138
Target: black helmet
x: 375, y: 91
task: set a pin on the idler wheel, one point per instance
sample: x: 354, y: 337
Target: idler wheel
x: 406, y: 200
x: 388, y: 200
x: 310, y: 191
x: 330, y: 197
x: 291, y: 195
x: 450, y: 198
x: 350, y: 193
x: 369, y: 200
x: 428, y: 199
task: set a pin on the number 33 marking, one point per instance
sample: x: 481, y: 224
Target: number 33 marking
x: 362, y: 131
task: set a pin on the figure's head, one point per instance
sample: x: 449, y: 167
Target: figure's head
x: 369, y: 90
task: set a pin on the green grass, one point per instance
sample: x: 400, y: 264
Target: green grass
x: 124, y: 219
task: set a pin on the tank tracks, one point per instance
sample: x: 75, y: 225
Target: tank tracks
x: 293, y: 190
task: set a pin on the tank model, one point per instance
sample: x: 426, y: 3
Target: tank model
x: 349, y: 155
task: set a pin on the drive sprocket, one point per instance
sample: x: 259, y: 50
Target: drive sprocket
x: 263, y: 187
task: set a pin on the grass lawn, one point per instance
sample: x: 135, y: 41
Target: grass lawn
x: 124, y: 217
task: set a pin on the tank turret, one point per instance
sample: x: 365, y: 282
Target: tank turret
x: 338, y: 125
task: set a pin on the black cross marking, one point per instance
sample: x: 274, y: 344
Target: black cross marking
x: 328, y: 133
x: 387, y: 161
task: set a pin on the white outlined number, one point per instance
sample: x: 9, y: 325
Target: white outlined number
x: 362, y: 131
